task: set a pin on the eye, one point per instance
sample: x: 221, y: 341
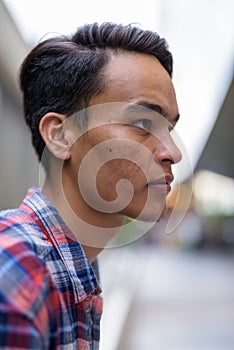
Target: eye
x: 144, y: 124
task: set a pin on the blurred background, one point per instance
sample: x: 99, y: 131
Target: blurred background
x: 167, y: 290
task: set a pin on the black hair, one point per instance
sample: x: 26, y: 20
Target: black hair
x: 61, y: 74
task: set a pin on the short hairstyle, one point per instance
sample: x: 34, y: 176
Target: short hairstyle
x: 61, y: 74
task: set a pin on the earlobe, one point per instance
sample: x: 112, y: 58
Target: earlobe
x: 55, y: 135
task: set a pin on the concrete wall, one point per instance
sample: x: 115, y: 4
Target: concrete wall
x: 18, y: 162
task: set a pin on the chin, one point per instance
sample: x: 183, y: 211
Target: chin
x: 148, y: 208
x: 147, y: 215
x: 164, y: 212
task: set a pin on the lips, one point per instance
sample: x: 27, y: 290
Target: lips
x: 162, y: 184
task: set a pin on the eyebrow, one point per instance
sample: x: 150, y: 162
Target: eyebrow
x: 154, y: 107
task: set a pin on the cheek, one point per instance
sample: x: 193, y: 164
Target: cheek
x: 115, y: 170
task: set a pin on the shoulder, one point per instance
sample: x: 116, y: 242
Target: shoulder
x: 25, y: 283
x: 22, y: 250
x: 18, y: 227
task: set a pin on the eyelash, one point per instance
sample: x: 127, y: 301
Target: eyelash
x: 148, y: 127
x: 171, y: 128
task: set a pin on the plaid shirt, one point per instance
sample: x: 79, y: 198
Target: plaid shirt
x: 49, y: 294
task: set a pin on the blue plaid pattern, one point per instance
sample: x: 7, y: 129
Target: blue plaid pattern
x: 49, y: 293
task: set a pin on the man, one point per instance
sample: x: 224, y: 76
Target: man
x: 104, y: 105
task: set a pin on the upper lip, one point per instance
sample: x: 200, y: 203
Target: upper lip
x: 164, y: 180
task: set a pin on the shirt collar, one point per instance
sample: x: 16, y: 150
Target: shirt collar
x: 81, y: 274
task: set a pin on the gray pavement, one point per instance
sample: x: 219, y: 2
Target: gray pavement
x: 183, y: 301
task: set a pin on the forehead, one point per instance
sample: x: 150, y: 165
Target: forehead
x: 133, y: 77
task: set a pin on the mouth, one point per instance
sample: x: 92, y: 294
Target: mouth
x: 162, y: 185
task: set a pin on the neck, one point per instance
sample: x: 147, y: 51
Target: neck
x: 91, y: 228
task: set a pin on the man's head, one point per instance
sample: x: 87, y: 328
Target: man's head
x: 62, y: 74
x: 123, y: 73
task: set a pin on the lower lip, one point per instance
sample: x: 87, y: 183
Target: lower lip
x: 161, y: 188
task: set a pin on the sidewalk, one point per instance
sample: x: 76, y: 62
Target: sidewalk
x: 184, y: 301
x: 119, y: 277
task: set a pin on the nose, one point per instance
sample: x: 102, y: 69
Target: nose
x: 166, y: 151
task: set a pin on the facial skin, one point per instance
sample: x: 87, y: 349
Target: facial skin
x: 126, y: 150
x: 133, y: 78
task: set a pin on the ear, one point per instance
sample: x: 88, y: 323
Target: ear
x: 56, y: 135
